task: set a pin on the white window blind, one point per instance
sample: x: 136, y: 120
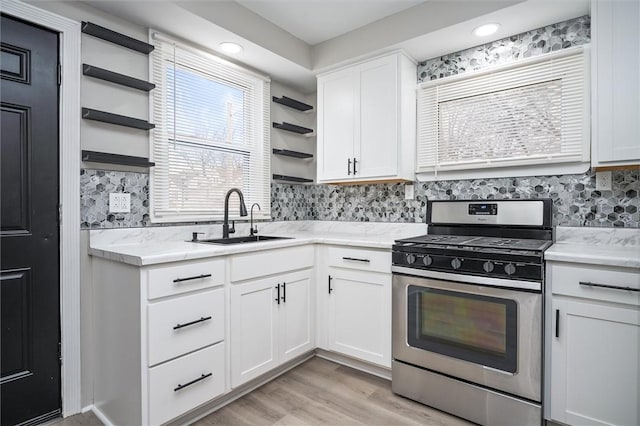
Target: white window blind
x: 534, y: 112
x: 212, y: 134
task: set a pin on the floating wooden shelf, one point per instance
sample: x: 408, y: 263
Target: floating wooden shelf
x: 116, y: 38
x: 292, y: 103
x: 126, y: 160
x: 120, y: 120
x: 114, y: 77
x: 289, y: 153
x: 292, y: 128
x: 292, y: 179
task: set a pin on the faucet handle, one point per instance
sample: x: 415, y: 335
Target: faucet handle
x: 232, y: 229
x: 194, y: 236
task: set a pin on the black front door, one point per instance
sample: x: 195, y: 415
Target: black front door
x: 29, y: 240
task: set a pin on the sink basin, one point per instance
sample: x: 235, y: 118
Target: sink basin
x: 241, y: 240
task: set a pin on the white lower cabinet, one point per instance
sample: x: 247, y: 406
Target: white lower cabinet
x: 354, y: 303
x: 159, y: 339
x: 360, y: 315
x: 595, y: 345
x: 271, y: 323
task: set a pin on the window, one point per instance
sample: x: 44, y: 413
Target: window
x: 529, y: 115
x: 211, y: 135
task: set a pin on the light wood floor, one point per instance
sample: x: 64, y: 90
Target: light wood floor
x: 318, y: 392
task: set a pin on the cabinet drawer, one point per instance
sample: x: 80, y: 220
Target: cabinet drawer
x: 173, y: 389
x: 364, y: 260
x: 566, y: 279
x: 184, y: 324
x: 182, y: 277
x: 263, y: 263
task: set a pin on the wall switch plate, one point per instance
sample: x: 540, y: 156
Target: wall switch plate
x: 409, y: 192
x: 603, y: 181
x: 119, y: 202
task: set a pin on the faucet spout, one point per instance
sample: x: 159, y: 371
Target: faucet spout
x: 226, y: 230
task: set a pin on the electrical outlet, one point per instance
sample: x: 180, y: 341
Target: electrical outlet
x: 603, y: 181
x: 409, y: 192
x: 119, y: 202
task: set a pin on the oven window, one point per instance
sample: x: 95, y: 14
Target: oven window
x: 471, y: 327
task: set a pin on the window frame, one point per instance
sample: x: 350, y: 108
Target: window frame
x: 259, y: 126
x: 509, y: 167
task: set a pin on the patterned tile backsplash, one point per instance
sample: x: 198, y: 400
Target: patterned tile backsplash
x: 576, y: 201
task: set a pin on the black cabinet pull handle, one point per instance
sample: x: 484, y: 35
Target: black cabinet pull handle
x: 278, y: 296
x: 204, y: 376
x: 187, y: 324
x: 348, y: 166
x: 355, y: 259
x: 354, y: 166
x: 557, y: 322
x: 330, y: 289
x: 613, y: 287
x: 284, y: 292
x: 179, y: 280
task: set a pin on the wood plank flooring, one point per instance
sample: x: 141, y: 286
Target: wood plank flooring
x: 318, y: 392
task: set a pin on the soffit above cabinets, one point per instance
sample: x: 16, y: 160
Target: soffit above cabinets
x: 424, y: 29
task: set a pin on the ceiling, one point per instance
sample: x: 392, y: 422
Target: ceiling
x: 315, y: 21
x: 294, y: 40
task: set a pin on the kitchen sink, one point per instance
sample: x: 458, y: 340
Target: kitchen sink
x: 242, y: 240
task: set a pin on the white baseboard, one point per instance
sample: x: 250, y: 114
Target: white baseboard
x: 375, y: 370
x: 104, y: 419
x: 87, y: 409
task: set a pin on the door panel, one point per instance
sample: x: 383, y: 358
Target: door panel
x: 377, y: 150
x: 29, y: 236
x: 337, y: 106
x: 296, y: 315
x: 253, y: 330
x: 360, y: 315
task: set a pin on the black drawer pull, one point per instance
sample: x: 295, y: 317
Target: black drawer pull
x: 204, y: 376
x: 613, y: 287
x: 355, y: 259
x: 330, y: 289
x: 557, y: 322
x: 284, y: 292
x: 278, y: 296
x: 179, y: 280
x: 187, y: 324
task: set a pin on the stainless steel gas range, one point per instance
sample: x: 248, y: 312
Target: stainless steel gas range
x: 468, y: 310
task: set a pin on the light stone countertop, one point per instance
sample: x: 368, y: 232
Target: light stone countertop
x: 596, y: 246
x: 149, y: 246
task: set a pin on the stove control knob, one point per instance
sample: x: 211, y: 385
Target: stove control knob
x: 456, y: 263
x: 510, y: 268
x: 427, y: 260
x: 488, y: 266
x: 410, y: 258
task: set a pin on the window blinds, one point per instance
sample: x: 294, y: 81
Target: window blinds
x: 532, y: 112
x: 212, y: 134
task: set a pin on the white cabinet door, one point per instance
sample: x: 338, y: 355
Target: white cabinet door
x: 616, y: 82
x: 594, y: 369
x: 376, y: 151
x: 360, y: 315
x: 254, y: 332
x: 296, y: 315
x: 338, y: 107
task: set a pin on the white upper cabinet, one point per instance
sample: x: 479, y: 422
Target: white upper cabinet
x: 366, y: 121
x: 616, y: 83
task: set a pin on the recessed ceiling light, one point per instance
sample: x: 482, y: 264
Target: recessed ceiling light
x: 486, y: 29
x: 230, y: 47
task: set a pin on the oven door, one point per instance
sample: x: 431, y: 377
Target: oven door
x: 486, y: 335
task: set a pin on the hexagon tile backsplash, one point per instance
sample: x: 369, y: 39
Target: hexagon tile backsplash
x: 576, y: 202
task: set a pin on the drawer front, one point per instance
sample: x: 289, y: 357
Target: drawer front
x: 182, y: 277
x: 361, y: 259
x: 263, y: 263
x: 184, y: 324
x: 566, y: 279
x: 179, y: 386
